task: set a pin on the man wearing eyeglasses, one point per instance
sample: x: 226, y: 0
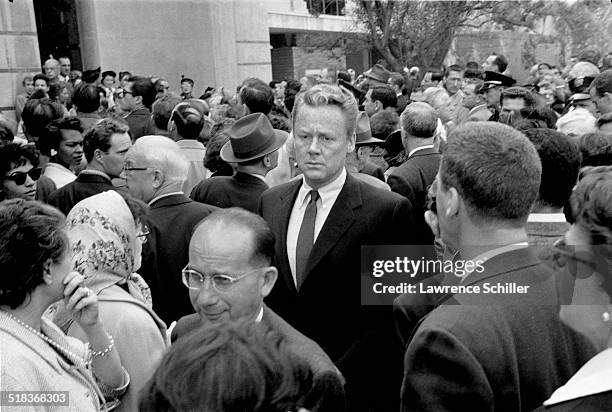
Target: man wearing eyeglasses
x: 229, y: 274
x: 136, y: 100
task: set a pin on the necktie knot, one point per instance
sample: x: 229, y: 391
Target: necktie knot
x: 314, y: 196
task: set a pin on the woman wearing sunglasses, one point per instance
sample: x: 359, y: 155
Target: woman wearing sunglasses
x: 18, y: 167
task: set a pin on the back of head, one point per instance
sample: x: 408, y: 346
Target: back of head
x: 519, y: 93
x: 383, y: 123
x: 591, y: 204
x: 162, y: 110
x: 603, y: 83
x: 495, y: 169
x: 501, y: 62
x: 142, y: 86
x: 257, y: 96
x: 385, y: 95
x: 419, y: 120
x: 164, y: 154
x: 86, y: 98
x: 436, y: 97
x: 99, y: 136
x: 38, y: 113
x: 577, y: 122
x: 188, y: 120
x: 560, y: 160
x: 596, y: 149
x: 229, y: 367
x: 397, y: 79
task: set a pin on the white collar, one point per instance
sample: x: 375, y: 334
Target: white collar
x: 327, y: 193
x: 427, y: 146
x: 156, y: 198
x: 547, y: 217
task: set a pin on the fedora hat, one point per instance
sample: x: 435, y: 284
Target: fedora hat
x: 252, y: 136
x: 378, y: 73
x: 363, y: 133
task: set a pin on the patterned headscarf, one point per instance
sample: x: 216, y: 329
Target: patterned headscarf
x: 105, y: 246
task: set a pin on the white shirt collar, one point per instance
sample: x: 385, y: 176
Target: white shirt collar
x: 327, y: 193
x: 156, y: 198
x: 427, y: 146
x: 547, y: 217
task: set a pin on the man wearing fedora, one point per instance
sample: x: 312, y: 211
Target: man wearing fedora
x: 253, y: 146
x: 377, y: 76
x: 320, y: 223
x: 357, y: 161
x: 419, y: 122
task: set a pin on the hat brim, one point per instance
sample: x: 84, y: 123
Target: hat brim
x: 488, y: 86
x: 227, y: 152
x: 370, y: 141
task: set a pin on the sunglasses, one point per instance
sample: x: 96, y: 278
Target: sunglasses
x: 20, y: 177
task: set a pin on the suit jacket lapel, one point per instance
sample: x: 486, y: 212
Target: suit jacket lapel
x: 340, y: 218
x: 284, y: 209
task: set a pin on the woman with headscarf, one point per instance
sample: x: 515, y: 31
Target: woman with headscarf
x: 106, y: 233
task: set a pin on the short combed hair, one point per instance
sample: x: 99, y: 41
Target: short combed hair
x: 329, y: 95
x: 162, y: 110
x: 500, y: 61
x: 99, y: 136
x: 591, y: 204
x: 86, y: 97
x: 257, y: 96
x: 163, y: 153
x: 235, y: 367
x: 385, y: 95
x: 263, y: 237
x: 603, y: 83
x: 560, y: 160
x: 519, y: 93
x: 108, y: 73
x: 419, y: 120
x: 494, y: 168
x: 52, y: 136
x: 40, y: 76
x: 189, y: 121
x: 30, y: 235
x: 142, y: 86
x: 453, y: 68
x: 596, y: 149
x: 38, y: 113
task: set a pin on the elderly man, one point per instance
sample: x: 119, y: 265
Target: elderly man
x: 419, y: 123
x: 51, y: 68
x: 135, y: 101
x: 105, y: 146
x: 253, y: 146
x: 320, y: 222
x: 233, y: 249
x: 155, y: 171
x: 506, y: 350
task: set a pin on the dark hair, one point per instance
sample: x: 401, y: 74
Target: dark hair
x: 495, y: 169
x: 544, y: 115
x: 99, y: 136
x: 437, y: 76
x: 290, y: 95
x: 591, y: 203
x: 419, y: 120
x: 383, y: 123
x: 453, y: 68
x: 40, y: 76
x: 596, y: 149
x: 55, y: 90
x: 257, y: 96
x: 123, y: 74
x: 188, y: 120
x: 294, y: 85
x: 187, y: 80
x: 471, y: 73
x: 38, y: 113
x: 13, y: 155
x: 397, y: 79
x: 30, y: 235
x: 162, y: 109
x: 108, y: 73
x: 519, y: 93
x: 86, y: 97
x: 501, y: 62
x: 52, y: 135
x: 6, y: 133
x: 158, y: 85
x: 26, y: 78
x: 344, y: 75
x: 212, y: 157
x: 472, y: 65
x: 385, y: 95
x: 273, y: 84
x: 230, y: 367
x: 263, y: 237
x: 142, y: 86
x: 603, y: 83
x: 560, y: 160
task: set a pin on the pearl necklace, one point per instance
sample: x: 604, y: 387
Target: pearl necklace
x: 68, y: 353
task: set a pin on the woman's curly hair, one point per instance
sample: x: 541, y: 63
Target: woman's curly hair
x: 591, y: 203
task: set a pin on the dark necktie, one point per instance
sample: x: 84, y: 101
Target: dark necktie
x: 305, y: 239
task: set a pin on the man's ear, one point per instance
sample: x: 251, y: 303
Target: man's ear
x: 269, y: 279
x: 158, y: 178
x: 453, y: 203
x: 351, y: 143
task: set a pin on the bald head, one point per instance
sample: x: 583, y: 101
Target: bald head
x: 419, y: 120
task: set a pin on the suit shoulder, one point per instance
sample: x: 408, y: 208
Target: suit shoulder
x: 276, y: 191
x: 380, y: 196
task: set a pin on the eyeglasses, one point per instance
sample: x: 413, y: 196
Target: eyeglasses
x: 195, y: 280
x: 129, y: 168
x: 144, y: 234
x: 20, y: 177
x: 120, y: 94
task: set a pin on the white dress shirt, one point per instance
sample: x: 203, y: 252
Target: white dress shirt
x: 327, y: 197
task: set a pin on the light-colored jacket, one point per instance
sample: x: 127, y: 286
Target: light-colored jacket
x: 28, y: 363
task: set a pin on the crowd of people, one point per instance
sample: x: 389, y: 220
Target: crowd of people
x: 162, y: 251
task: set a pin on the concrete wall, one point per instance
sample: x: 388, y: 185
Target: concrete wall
x: 317, y: 58
x: 19, y: 53
x: 206, y: 40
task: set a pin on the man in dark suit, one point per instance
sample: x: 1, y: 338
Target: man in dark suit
x: 105, y: 146
x: 234, y: 248
x: 136, y: 100
x: 253, y: 146
x: 320, y: 223
x: 503, y: 346
x: 419, y: 123
x: 155, y: 171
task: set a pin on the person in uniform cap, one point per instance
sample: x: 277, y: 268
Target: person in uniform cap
x: 494, y: 84
x: 377, y: 76
x: 253, y: 146
x: 358, y: 161
x: 186, y: 87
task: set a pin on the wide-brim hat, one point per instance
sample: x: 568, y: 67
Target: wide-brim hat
x: 363, y: 133
x: 378, y: 73
x: 252, y: 136
x: 494, y: 79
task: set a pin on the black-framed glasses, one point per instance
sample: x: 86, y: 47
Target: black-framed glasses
x: 20, y: 177
x: 195, y: 280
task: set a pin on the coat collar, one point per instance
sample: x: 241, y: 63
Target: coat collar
x: 171, y: 200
